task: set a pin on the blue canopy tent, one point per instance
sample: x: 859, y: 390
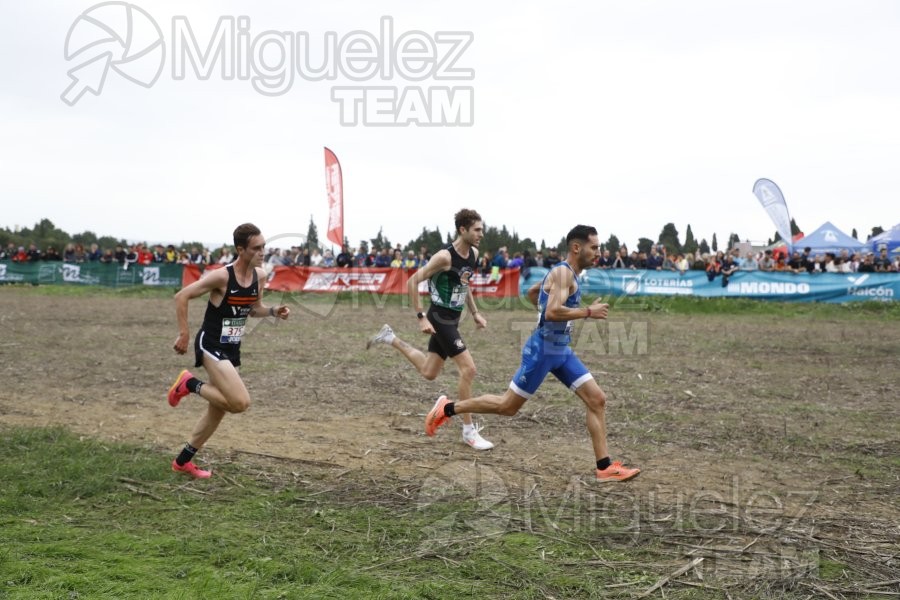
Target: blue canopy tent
x: 829, y: 238
x: 889, y: 239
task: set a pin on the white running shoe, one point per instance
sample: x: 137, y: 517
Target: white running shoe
x: 384, y: 336
x: 474, y: 439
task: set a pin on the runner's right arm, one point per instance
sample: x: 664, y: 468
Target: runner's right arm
x: 439, y: 262
x: 212, y: 282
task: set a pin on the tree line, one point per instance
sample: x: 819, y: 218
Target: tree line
x: 45, y: 234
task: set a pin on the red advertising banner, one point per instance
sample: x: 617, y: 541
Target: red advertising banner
x: 192, y: 273
x: 379, y: 281
x: 334, y: 187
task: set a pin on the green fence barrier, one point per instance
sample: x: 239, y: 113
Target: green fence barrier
x: 109, y: 275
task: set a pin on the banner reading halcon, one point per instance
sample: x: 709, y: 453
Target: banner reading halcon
x: 334, y: 186
x: 772, y: 199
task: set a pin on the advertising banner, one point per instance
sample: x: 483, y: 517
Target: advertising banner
x: 781, y: 287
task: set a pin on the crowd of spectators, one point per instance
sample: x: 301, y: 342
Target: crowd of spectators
x: 303, y: 256
x: 718, y: 264
x: 140, y: 254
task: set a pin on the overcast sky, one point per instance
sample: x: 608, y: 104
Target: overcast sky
x: 624, y: 115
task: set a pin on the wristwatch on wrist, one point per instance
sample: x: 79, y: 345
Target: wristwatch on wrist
x: 420, y: 315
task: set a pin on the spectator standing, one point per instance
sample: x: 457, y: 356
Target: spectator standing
x: 622, y: 261
x: 767, y: 263
x: 9, y: 252
x: 95, y: 253
x: 552, y: 259
x: 882, y: 261
x: 750, y: 263
x: 344, y: 258
x: 424, y: 253
x: 315, y: 258
x: 226, y: 256
x: 359, y: 259
x: 397, y: 260
x: 653, y: 262
x: 484, y: 263
x: 370, y: 258
x: 198, y: 257
x: 68, y: 253
x: 605, y: 261
x: 52, y: 255
x: 131, y: 257
x: 729, y: 268
x: 145, y: 257
x: 34, y: 255
x: 383, y: 260
x: 528, y: 263
x: 868, y: 264
x: 639, y: 260
x: 713, y: 268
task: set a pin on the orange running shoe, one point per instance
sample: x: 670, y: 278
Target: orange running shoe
x: 616, y: 472
x: 179, y: 388
x: 436, y: 417
x: 191, y: 469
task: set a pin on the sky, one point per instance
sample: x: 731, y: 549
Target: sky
x: 621, y: 115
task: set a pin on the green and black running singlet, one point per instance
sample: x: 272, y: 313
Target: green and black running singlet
x: 224, y: 324
x: 449, y: 288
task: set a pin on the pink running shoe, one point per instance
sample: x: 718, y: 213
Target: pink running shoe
x: 191, y: 469
x: 436, y: 417
x: 179, y: 388
x: 616, y: 472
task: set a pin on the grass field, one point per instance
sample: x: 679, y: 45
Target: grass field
x: 767, y: 436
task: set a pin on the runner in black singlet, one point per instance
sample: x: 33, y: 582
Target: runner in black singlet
x: 235, y: 294
x: 448, y: 273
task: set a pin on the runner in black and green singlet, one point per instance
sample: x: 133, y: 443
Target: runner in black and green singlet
x: 448, y: 274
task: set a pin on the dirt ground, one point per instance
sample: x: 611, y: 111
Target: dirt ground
x: 759, y: 438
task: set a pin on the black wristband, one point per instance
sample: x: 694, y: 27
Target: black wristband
x: 420, y: 315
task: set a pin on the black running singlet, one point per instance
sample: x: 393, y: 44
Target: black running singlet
x: 224, y: 324
x: 449, y: 288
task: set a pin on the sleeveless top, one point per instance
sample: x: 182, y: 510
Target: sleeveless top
x: 557, y: 331
x: 449, y: 288
x: 225, y: 323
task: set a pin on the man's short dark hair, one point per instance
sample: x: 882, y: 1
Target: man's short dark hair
x: 580, y: 233
x: 466, y: 218
x: 243, y: 233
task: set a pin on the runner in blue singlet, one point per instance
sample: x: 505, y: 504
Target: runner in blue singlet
x: 547, y: 350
